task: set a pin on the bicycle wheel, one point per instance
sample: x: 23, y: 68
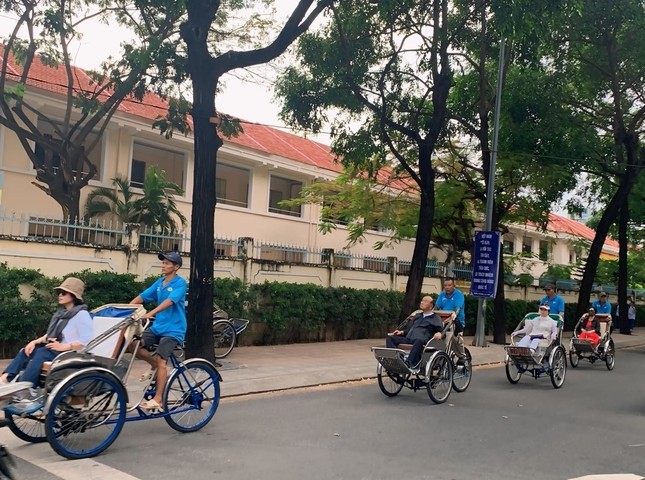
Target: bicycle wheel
x: 30, y: 428
x: 191, y: 395
x: 389, y: 383
x: 512, y: 372
x: 462, y: 375
x: 574, y: 359
x: 86, y: 415
x: 558, y: 367
x: 439, y: 378
x: 610, y: 355
x: 224, y: 337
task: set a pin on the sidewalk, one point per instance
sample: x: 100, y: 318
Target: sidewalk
x: 268, y: 368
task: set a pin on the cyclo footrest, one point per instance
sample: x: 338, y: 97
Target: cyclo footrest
x: 391, y: 359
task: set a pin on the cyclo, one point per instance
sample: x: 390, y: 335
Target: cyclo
x: 548, y: 359
x: 87, y: 399
x: 605, y: 351
x: 438, y: 371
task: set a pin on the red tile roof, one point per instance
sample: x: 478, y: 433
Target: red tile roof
x: 257, y: 137
x: 560, y: 224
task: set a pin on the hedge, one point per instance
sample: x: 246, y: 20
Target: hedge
x: 279, y: 312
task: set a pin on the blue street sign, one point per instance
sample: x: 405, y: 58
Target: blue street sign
x: 486, y: 264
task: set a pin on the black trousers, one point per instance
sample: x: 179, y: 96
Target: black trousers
x: 392, y: 341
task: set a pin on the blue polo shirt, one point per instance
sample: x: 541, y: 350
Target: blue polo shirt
x: 556, y: 304
x: 453, y: 302
x: 170, y: 322
x: 601, y: 307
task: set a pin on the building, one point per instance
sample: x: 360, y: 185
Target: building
x: 256, y: 170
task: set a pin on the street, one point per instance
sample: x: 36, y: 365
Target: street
x: 594, y: 424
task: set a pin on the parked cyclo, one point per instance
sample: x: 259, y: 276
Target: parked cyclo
x: 87, y: 400
x: 585, y: 345
x: 438, y: 371
x: 543, y: 356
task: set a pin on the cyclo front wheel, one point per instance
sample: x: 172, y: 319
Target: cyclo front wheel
x: 439, y: 375
x: 192, y: 395
x: 512, y: 372
x: 390, y: 384
x: 28, y: 427
x: 86, y: 414
x: 224, y: 337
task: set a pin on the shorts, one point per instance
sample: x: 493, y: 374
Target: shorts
x: 165, y: 345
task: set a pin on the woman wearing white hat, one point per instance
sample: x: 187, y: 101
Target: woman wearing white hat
x: 70, y: 328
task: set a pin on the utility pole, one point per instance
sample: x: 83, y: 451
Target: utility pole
x: 480, y: 336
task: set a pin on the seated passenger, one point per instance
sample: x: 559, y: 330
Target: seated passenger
x: 589, y: 328
x: 418, y: 330
x: 538, y: 329
x: 70, y: 328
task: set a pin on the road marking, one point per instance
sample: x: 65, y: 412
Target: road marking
x: 41, y: 455
x: 610, y: 476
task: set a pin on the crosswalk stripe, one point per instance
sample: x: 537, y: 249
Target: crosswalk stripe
x: 42, y: 456
x: 610, y: 476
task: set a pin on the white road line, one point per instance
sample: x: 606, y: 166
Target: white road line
x: 41, y: 455
x: 610, y: 476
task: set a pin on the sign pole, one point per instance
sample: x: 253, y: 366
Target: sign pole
x: 480, y: 337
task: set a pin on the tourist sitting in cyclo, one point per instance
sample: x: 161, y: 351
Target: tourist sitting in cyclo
x: 70, y: 328
x: 418, y: 330
x: 589, y: 328
x: 539, y: 331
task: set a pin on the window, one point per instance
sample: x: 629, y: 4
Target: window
x: 527, y: 246
x: 544, y: 250
x: 138, y: 174
x: 284, y: 189
x: 232, y: 185
x: 145, y: 156
x: 47, y: 129
x: 508, y: 247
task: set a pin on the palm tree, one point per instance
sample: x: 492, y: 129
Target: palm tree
x: 155, y: 209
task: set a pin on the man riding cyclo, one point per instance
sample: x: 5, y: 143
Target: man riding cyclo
x: 453, y: 299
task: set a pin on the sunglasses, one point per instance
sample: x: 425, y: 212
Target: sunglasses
x: 62, y: 292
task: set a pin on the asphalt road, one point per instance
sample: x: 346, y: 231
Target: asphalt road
x: 594, y: 424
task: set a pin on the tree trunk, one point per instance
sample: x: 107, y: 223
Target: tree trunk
x: 199, y: 336
x: 608, y: 217
x: 422, y: 241
x: 622, y: 266
x: 499, y: 322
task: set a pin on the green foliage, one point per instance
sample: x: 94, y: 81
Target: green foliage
x: 156, y: 208
x: 23, y: 318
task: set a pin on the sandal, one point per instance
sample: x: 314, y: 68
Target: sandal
x: 151, y: 405
x: 146, y: 377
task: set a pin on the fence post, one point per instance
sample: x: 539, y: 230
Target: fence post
x: 393, y: 267
x: 328, y: 258
x: 131, y: 244
x: 245, y: 253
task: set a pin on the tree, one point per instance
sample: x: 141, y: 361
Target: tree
x: 156, y: 208
x: 59, y: 147
x: 536, y: 138
x: 384, y: 68
x: 203, y: 33
x: 600, y: 51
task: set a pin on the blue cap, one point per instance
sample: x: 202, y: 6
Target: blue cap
x: 173, y: 257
